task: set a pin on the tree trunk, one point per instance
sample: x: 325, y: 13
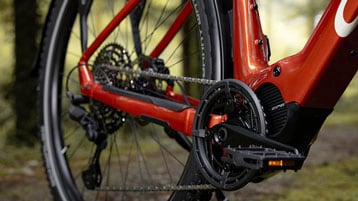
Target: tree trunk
x: 24, y: 85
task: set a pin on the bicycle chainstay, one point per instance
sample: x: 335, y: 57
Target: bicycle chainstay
x: 151, y: 74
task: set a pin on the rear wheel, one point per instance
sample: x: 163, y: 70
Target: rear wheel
x: 134, y: 159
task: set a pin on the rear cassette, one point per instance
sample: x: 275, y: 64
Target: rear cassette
x: 238, y: 105
x: 113, y: 54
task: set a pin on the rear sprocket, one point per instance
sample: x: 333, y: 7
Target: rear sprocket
x: 114, y: 54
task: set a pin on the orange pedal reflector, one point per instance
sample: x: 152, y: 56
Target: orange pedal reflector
x: 281, y: 163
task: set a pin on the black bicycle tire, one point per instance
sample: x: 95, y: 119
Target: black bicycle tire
x: 49, y: 39
x: 212, y: 56
x: 214, y: 31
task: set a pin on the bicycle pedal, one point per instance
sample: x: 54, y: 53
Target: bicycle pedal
x: 261, y: 158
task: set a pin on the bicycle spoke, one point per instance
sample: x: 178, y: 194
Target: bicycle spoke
x: 180, y: 44
x: 93, y: 31
x: 111, y: 6
x: 183, y: 59
x: 109, y: 154
x: 157, y: 24
x: 164, y: 148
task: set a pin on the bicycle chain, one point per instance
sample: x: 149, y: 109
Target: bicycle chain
x: 162, y: 76
x: 159, y: 188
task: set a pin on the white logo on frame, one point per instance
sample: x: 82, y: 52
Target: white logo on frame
x: 343, y: 28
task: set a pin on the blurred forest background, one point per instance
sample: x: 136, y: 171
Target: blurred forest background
x: 288, y: 23
x: 21, y: 25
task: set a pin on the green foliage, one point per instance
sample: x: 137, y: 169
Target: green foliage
x: 6, y: 38
x: 5, y: 4
x: 337, y: 181
x: 346, y: 110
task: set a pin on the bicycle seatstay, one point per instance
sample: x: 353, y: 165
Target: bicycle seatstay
x: 86, y: 78
x: 147, y: 108
x: 172, y: 31
x: 124, y: 12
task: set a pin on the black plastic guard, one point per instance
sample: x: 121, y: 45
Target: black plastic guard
x: 302, y: 126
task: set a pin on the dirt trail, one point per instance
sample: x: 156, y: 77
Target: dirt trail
x: 333, y: 144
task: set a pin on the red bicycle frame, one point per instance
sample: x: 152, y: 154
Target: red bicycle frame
x: 177, y: 120
x: 317, y: 76
x: 314, y: 78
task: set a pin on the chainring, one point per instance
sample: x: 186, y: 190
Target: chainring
x: 236, y: 101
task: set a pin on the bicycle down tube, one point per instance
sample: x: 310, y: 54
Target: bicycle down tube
x: 315, y: 77
x: 308, y: 84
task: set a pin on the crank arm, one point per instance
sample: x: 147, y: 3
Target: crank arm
x: 232, y: 135
x: 245, y: 148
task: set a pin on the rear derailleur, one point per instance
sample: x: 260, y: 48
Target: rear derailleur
x: 95, y: 132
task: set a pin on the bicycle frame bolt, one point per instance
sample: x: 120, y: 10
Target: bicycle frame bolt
x: 254, y: 6
x: 354, y: 52
x: 276, y: 71
x: 221, y: 136
x: 259, y: 42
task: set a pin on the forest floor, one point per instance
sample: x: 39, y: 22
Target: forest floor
x: 329, y: 173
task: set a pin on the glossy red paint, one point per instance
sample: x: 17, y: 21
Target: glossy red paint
x: 351, y: 10
x: 217, y: 119
x: 180, y: 98
x: 249, y: 43
x: 317, y: 76
x: 85, y: 76
x: 178, y: 120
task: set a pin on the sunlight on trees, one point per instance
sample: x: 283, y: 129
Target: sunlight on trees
x: 289, y: 23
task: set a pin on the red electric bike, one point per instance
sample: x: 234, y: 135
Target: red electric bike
x: 175, y: 100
